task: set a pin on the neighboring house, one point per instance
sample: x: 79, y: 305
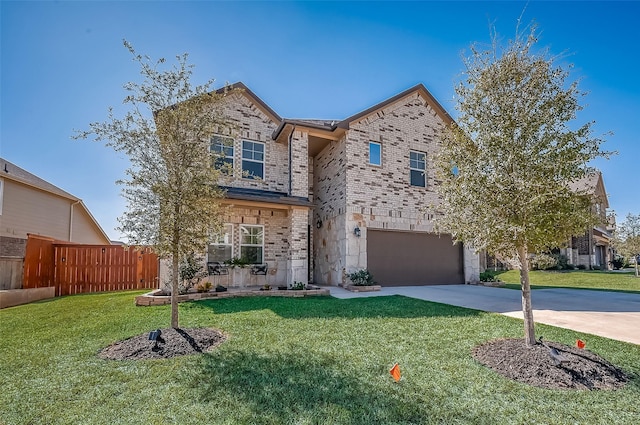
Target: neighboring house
x: 593, y: 249
x: 31, y: 205
x: 316, y: 199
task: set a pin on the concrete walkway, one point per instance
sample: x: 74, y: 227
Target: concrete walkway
x: 614, y: 315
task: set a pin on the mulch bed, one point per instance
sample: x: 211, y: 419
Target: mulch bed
x: 581, y: 370
x: 172, y: 343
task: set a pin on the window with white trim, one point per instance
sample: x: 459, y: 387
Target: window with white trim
x: 252, y: 244
x: 221, y: 247
x: 1, y: 194
x: 375, y: 153
x: 417, y: 168
x: 222, y: 148
x: 252, y: 159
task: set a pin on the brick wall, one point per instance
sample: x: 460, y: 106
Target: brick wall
x: 12, y: 247
x: 384, y: 192
x: 382, y: 197
x: 248, y: 122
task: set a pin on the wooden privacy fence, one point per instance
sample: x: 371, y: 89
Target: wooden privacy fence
x: 75, y: 269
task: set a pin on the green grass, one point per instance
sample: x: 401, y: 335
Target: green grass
x: 577, y: 279
x: 286, y: 361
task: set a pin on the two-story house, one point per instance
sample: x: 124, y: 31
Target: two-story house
x: 316, y: 199
x: 31, y: 205
x: 593, y: 249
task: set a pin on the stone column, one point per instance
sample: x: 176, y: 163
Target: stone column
x: 298, y: 255
x: 471, y: 265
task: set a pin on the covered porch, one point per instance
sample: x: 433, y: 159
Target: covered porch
x: 264, y: 241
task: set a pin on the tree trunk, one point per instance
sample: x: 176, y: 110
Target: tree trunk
x: 174, y: 288
x: 527, y: 311
x: 636, y: 266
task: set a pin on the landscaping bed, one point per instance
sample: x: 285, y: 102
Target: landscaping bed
x: 580, y: 369
x: 362, y: 288
x: 170, y: 343
x: 158, y: 297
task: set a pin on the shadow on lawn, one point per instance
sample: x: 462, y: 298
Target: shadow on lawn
x: 311, y: 388
x: 328, y: 307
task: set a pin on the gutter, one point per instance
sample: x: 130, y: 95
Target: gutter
x: 290, y: 138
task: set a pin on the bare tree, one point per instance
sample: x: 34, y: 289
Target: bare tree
x: 171, y: 186
x: 506, y: 163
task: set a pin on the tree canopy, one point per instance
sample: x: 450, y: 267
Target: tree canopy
x: 171, y: 187
x: 506, y: 163
x: 627, y: 238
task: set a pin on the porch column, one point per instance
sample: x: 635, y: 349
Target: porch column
x: 471, y: 265
x: 298, y: 255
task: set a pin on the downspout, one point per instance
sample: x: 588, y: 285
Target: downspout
x: 290, y: 158
x: 71, y: 219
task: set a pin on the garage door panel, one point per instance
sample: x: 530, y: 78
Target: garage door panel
x: 405, y: 258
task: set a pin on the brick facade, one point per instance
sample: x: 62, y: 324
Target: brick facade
x: 337, y: 179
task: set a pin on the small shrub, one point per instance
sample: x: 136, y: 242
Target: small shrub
x: 488, y: 276
x: 191, y: 271
x: 543, y: 262
x: 203, y: 286
x: 298, y: 286
x: 562, y: 262
x: 594, y: 267
x: 362, y: 278
x: 617, y: 263
x: 237, y: 262
x: 581, y: 267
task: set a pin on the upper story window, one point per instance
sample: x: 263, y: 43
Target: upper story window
x: 375, y: 153
x: 252, y: 160
x: 221, y: 247
x: 417, y: 168
x: 222, y: 147
x: 252, y: 244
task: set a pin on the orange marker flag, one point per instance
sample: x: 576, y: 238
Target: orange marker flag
x: 580, y: 343
x: 395, y: 372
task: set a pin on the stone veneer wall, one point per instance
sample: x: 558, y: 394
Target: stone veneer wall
x: 329, y: 190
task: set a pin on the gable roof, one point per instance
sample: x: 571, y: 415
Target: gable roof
x: 592, y: 183
x: 419, y: 88
x: 333, y: 125
x: 239, y: 86
x: 10, y: 171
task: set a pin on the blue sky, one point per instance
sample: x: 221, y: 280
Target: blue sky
x: 63, y: 65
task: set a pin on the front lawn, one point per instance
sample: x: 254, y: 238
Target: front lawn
x: 286, y: 361
x: 578, y: 279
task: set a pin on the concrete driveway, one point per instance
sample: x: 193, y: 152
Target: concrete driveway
x: 614, y: 315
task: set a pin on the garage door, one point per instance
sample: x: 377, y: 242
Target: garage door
x: 405, y: 258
